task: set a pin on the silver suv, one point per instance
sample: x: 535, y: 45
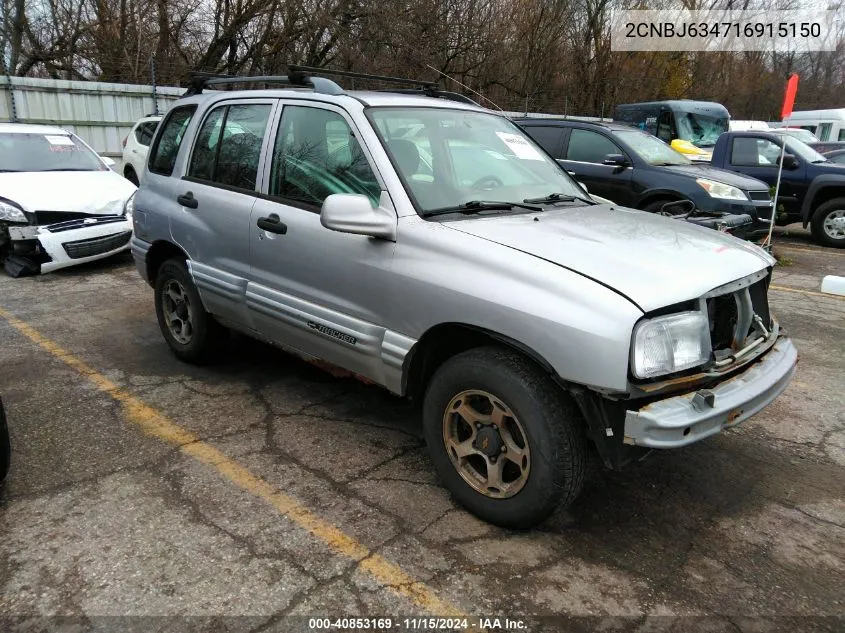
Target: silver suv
x: 431, y: 247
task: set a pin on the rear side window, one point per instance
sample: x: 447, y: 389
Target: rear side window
x: 228, y: 146
x: 316, y: 155
x: 144, y: 132
x: 163, y: 154
x: 547, y: 137
x: 589, y: 147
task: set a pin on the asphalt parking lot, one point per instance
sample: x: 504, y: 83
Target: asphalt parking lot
x: 265, y: 487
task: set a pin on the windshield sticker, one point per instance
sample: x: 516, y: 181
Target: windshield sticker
x: 59, y: 140
x: 519, y: 146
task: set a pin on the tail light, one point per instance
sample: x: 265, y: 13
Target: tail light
x: 124, y: 141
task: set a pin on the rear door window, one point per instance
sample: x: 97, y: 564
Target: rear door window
x: 167, y: 144
x: 228, y: 146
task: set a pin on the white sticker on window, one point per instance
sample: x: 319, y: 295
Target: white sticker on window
x: 59, y: 140
x: 520, y: 146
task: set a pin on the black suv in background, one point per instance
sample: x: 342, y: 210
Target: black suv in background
x: 638, y: 170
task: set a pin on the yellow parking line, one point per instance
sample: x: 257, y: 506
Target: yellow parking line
x: 807, y: 292
x: 159, y: 426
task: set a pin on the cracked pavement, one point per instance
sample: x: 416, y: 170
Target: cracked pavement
x: 100, y: 519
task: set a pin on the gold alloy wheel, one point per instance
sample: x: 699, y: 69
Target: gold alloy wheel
x: 486, y: 443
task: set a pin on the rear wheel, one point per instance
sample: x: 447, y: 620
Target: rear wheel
x: 828, y: 223
x: 505, y: 440
x: 191, y: 332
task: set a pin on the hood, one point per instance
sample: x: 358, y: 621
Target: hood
x: 652, y: 260
x: 94, y: 192
x: 746, y: 183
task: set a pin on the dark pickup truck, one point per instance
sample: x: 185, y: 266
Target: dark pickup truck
x: 812, y: 188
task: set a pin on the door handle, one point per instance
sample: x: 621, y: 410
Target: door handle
x: 188, y: 200
x: 272, y: 224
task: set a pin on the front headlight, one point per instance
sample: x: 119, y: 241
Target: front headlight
x: 129, y: 207
x: 669, y: 344
x: 11, y: 213
x: 720, y: 190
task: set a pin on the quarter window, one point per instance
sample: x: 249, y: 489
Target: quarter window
x: 589, y: 147
x: 144, y: 132
x: 228, y: 146
x: 546, y: 137
x: 163, y: 154
x: 315, y: 155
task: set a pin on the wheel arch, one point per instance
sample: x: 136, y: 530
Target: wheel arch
x: 160, y: 251
x: 650, y: 197
x: 823, y: 188
x: 445, y: 340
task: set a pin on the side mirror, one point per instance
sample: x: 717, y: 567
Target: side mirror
x: 108, y: 161
x: 617, y: 160
x: 353, y: 213
x: 790, y: 162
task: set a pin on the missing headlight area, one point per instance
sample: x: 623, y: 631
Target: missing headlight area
x: 739, y: 319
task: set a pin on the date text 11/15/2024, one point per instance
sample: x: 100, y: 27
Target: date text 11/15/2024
x: 433, y: 624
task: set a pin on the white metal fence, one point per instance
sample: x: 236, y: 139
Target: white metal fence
x: 100, y: 113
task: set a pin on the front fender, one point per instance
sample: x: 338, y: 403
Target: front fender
x: 819, y: 182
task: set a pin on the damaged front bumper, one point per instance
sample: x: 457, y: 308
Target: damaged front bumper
x: 72, y: 242
x: 687, y: 418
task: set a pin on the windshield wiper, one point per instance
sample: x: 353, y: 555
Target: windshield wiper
x: 559, y: 197
x: 476, y: 206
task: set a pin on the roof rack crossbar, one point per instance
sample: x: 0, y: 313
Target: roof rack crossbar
x: 306, y: 71
x: 199, y: 81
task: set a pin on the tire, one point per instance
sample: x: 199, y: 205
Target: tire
x: 5, y: 445
x: 828, y: 213
x: 195, y: 336
x: 131, y: 176
x: 553, y: 429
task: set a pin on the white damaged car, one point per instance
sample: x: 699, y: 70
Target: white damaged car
x: 60, y: 204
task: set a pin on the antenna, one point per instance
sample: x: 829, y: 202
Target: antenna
x: 464, y: 86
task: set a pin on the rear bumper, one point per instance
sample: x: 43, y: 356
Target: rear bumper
x: 76, y: 241
x: 676, y: 421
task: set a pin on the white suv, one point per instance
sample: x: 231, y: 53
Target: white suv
x: 136, y: 146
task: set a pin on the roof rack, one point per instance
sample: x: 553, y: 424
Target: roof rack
x: 200, y: 81
x: 435, y: 92
x: 307, y: 77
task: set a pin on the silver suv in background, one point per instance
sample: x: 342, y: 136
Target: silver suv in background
x: 431, y: 247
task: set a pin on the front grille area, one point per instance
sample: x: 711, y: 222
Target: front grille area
x: 733, y: 317
x: 42, y: 218
x: 759, y: 195
x: 96, y: 245
x: 72, y: 225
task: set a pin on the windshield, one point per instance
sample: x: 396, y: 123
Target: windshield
x: 46, y: 152
x: 451, y: 157
x: 803, y: 151
x: 700, y: 129
x: 651, y: 149
x: 802, y: 135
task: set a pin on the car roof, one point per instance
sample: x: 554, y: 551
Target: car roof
x: 561, y: 122
x: 364, y: 97
x: 26, y: 128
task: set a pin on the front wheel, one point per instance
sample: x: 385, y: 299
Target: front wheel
x: 505, y: 440
x: 191, y: 332
x: 828, y: 223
